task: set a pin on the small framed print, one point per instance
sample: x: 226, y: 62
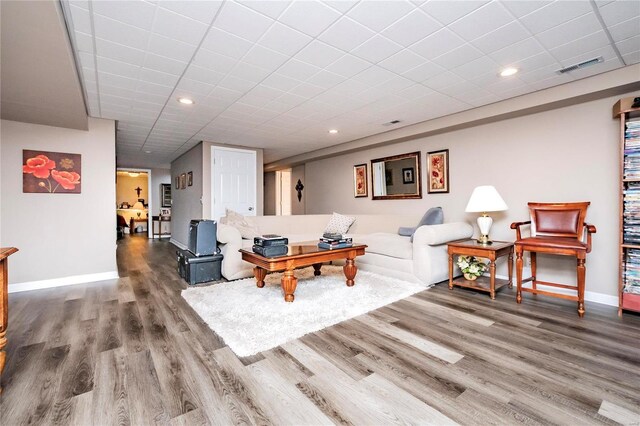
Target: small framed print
x: 438, y: 171
x: 190, y: 179
x: 183, y: 181
x: 360, y: 188
x: 407, y: 175
x: 177, y: 182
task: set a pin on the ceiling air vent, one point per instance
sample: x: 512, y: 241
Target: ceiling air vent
x: 581, y: 65
x: 391, y: 123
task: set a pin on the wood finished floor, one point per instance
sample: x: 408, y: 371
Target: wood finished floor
x: 132, y: 351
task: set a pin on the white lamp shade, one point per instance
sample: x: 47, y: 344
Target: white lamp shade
x: 485, y: 199
x: 138, y: 206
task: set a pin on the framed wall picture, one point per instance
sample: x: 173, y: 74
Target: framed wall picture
x: 177, y: 182
x: 408, y: 175
x: 183, y: 181
x: 51, y: 172
x: 360, y: 188
x: 438, y: 171
x: 190, y: 179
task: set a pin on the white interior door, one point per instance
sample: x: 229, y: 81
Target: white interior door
x: 233, y: 181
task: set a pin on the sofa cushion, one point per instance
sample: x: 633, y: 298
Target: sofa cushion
x: 235, y: 219
x: 392, y: 245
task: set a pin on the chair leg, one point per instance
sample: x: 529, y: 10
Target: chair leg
x: 581, y: 275
x: 519, y: 274
x: 534, y: 260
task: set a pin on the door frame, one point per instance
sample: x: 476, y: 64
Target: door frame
x: 149, y: 213
x: 254, y: 154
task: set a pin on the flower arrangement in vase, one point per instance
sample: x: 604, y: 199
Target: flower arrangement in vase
x: 471, y: 267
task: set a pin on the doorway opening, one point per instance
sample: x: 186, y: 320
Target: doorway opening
x: 133, y: 201
x: 283, y: 192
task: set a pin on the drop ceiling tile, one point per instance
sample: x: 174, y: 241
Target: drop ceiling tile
x: 87, y: 60
x: 280, y: 82
x: 326, y: 79
x: 153, y: 89
x: 479, y: 66
x: 374, y: 76
x: 227, y: 44
x: 502, y: 37
x: 158, y: 77
x: 81, y: 19
x: 564, y: 33
x: 423, y: 72
x: 119, y: 52
x: 150, y: 98
x: 203, y: 75
x: 350, y: 88
x: 120, y: 33
x: 625, y: 29
x: 342, y: 6
x: 271, y: 8
x: 413, y: 27
x: 310, y: 17
x: 171, y: 48
x: 539, y: 74
x: 284, y: 40
x: 89, y: 74
x: 116, y: 91
x: 163, y: 64
x: 438, y: 43
x: 619, y: 11
x: 447, y: 12
x: 117, y: 81
x: 348, y: 66
x: 233, y: 83
x: 553, y: 14
x: 137, y: 13
x: 582, y: 45
x: 536, y: 61
x: 214, y: 61
x: 378, y: 15
x: 458, y: 56
x: 298, y: 70
x: 515, y: 52
x: 319, y: 54
x: 395, y: 84
x: 242, y: 21
x: 202, y: 11
x: 291, y: 99
x: 443, y: 80
x: 83, y: 42
x: 376, y: 49
x: 606, y: 52
x: 520, y: 8
x: 178, y: 27
x: 631, y: 58
x: 481, y: 21
x: 629, y: 45
x: 402, y: 61
x: 415, y: 91
x: 266, y: 92
x: 346, y: 34
x: 265, y: 58
x: 307, y: 90
x: 250, y: 72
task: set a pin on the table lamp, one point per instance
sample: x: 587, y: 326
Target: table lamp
x: 138, y: 206
x: 485, y: 199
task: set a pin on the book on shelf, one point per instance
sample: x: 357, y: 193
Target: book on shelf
x: 271, y: 251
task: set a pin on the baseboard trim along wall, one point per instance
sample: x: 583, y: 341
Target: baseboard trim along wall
x: 177, y: 244
x: 589, y: 296
x: 64, y: 281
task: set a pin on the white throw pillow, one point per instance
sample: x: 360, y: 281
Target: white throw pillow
x: 238, y: 221
x: 339, y: 224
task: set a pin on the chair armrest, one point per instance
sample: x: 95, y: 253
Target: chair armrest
x: 517, y: 225
x: 590, y: 229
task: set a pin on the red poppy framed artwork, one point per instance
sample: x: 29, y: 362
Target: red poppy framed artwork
x: 360, y: 188
x: 438, y: 171
x: 51, y: 172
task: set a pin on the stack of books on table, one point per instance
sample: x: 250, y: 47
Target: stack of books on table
x: 270, y: 245
x: 334, y: 241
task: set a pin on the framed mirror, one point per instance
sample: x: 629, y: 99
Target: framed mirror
x: 396, y: 177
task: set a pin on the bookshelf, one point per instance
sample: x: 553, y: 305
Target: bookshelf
x: 629, y: 276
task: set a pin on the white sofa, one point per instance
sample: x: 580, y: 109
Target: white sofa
x: 423, y: 260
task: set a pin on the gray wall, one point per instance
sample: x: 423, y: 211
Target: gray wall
x: 298, y: 207
x: 187, y: 202
x: 158, y: 176
x: 59, y: 235
x: 270, y: 193
x: 567, y: 154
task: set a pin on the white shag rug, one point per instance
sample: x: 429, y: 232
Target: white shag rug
x: 252, y: 319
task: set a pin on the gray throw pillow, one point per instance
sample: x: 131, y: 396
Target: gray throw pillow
x: 406, y: 231
x: 433, y: 216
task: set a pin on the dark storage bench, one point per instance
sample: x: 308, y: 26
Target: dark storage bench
x: 199, y: 269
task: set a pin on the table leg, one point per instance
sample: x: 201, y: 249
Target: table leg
x: 350, y: 271
x: 316, y: 269
x: 511, y: 268
x: 289, y: 283
x: 492, y: 279
x: 259, y: 273
x: 451, y: 271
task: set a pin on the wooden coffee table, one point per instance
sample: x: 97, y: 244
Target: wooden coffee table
x: 300, y: 255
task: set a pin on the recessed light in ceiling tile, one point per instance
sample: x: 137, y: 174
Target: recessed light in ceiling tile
x: 391, y: 123
x: 508, y: 72
x: 148, y: 152
x: 333, y: 131
x: 186, y: 101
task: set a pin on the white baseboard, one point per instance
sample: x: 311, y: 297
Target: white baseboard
x: 589, y: 296
x: 155, y: 236
x: 59, y: 282
x: 177, y: 244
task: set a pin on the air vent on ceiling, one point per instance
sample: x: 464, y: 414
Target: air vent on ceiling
x: 391, y: 123
x: 581, y: 65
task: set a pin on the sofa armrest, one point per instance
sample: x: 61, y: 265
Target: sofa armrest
x: 434, y: 235
x: 229, y: 235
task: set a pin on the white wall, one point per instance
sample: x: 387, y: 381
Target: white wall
x: 187, y: 203
x: 567, y: 154
x: 158, y: 177
x: 59, y: 235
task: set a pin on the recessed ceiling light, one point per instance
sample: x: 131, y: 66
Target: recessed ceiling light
x: 508, y: 71
x: 148, y: 152
x: 333, y: 131
x: 185, y: 101
x: 134, y: 174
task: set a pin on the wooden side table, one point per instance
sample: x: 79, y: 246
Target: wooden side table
x: 492, y: 252
x: 134, y: 220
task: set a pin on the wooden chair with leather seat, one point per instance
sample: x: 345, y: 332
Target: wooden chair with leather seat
x: 556, y: 228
